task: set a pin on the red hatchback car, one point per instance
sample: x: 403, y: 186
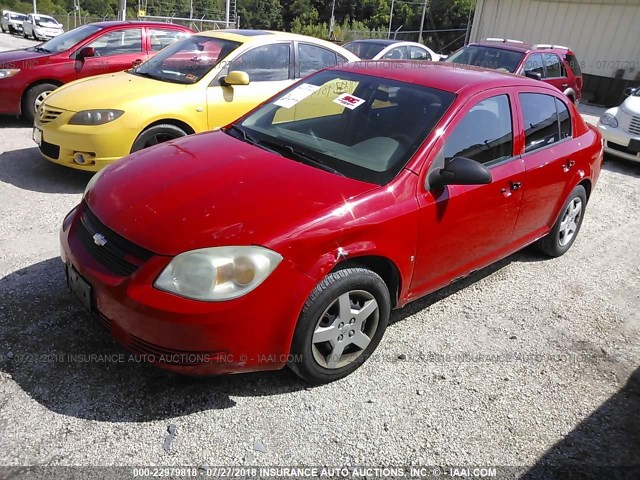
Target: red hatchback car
x: 553, y: 64
x: 28, y: 75
x: 288, y: 236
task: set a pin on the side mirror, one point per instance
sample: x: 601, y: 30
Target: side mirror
x: 235, y: 78
x: 460, y: 171
x: 85, y: 52
x: 534, y: 75
x: 629, y: 91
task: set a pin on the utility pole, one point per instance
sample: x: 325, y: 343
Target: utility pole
x: 466, y: 35
x: 35, y: 8
x: 122, y: 14
x: 227, y: 14
x: 390, y: 18
x: 332, y: 20
x: 424, y: 11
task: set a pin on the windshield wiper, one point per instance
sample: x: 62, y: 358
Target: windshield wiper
x: 245, y: 136
x: 300, y: 156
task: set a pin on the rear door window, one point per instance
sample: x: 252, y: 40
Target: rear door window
x: 312, y: 58
x: 553, y: 66
x: 417, y: 53
x: 546, y: 120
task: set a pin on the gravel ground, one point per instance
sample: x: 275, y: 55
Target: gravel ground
x: 530, y: 361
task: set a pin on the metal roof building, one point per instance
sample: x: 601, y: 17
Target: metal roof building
x: 604, y: 34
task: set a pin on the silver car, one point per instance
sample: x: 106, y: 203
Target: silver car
x: 41, y: 27
x: 11, y: 22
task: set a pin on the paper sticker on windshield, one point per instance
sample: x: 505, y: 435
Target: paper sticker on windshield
x: 296, y: 95
x: 349, y: 101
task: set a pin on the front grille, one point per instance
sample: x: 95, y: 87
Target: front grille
x: 50, y: 150
x: 48, y: 114
x: 634, y: 126
x: 116, y: 253
x: 157, y: 354
x: 621, y: 148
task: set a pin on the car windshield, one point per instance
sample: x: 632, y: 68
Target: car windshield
x: 359, y: 126
x: 68, y: 39
x: 18, y: 17
x: 45, y: 20
x: 186, y: 61
x: 487, y: 57
x: 365, y: 50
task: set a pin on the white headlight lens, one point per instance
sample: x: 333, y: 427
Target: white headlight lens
x: 608, y: 119
x: 8, y: 72
x: 218, y: 273
x: 95, y: 117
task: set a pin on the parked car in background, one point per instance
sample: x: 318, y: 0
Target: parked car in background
x: 41, y: 27
x: 11, y: 22
x: 620, y: 127
x: 28, y: 75
x: 376, y: 49
x: 200, y: 83
x: 301, y: 225
x: 553, y: 64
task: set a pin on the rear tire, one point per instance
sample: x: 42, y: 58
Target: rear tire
x: 157, y: 134
x: 567, y: 227
x: 34, y: 97
x: 341, y: 324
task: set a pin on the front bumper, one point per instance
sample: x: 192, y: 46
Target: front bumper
x: 616, y: 142
x: 251, y: 333
x: 100, y: 144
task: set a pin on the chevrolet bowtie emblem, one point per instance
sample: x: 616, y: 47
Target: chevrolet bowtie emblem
x: 99, y: 240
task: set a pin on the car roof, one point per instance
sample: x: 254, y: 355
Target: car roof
x: 377, y: 41
x: 521, y: 46
x: 449, y: 77
x: 143, y: 23
x: 259, y: 36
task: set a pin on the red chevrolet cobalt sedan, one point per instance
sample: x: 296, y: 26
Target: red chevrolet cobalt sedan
x: 286, y: 237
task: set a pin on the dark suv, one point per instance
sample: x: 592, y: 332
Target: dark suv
x: 553, y: 64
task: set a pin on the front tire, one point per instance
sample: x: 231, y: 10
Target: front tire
x: 567, y: 227
x: 34, y: 98
x: 157, y: 134
x: 341, y: 324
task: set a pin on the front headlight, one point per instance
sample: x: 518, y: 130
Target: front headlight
x: 218, y: 273
x: 95, y: 117
x: 608, y: 119
x: 8, y: 72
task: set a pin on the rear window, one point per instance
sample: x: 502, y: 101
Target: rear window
x: 574, y: 64
x: 487, y: 57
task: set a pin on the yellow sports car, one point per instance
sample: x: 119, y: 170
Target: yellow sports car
x: 199, y: 83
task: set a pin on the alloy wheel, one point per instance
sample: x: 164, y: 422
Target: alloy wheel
x: 345, y: 329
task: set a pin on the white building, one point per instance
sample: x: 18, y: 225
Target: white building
x: 604, y: 35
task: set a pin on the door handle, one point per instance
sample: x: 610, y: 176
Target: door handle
x: 515, y: 185
x: 567, y: 166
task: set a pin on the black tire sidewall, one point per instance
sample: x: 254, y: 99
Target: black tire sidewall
x: 28, y: 106
x: 144, y: 137
x: 327, y: 291
x: 553, y: 245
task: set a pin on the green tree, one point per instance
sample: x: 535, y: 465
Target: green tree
x: 265, y: 14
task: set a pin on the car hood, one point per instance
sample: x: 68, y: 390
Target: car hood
x: 49, y: 25
x: 632, y: 105
x: 211, y: 190
x: 80, y: 95
x: 23, y: 54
